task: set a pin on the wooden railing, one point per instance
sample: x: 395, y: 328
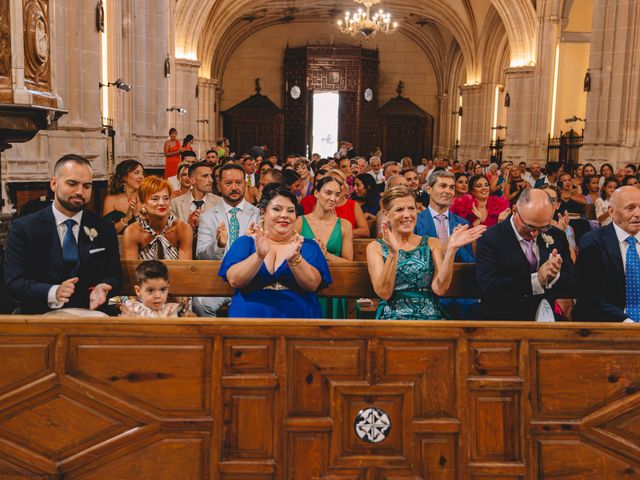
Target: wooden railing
x: 350, y: 280
x: 195, y: 399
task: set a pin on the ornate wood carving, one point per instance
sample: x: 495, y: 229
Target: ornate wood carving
x: 347, y: 70
x: 37, y: 43
x: 5, y: 52
x: 279, y: 399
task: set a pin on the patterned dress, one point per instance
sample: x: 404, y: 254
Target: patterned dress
x: 412, y: 296
x: 159, y: 248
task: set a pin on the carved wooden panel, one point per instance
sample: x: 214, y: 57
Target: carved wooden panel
x: 347, y: 70
x: 6, y: 95
x: 247, y: 400
x: 37, y: 44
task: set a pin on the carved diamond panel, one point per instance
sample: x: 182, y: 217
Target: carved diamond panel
x: 61, y: 423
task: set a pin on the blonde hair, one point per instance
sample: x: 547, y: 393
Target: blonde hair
x: 151, y: 185
x: 338, y: 173
x: 393, y: 194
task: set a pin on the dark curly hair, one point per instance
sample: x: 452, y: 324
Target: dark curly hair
x: 122, y: 170
x: 273, y: 190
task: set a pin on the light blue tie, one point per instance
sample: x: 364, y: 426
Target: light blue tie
x: 632, y: 276
x: 234, y: 225
x: 69, y: 244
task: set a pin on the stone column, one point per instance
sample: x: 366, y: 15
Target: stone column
x: 520, y: 87
x: 185, y: 97
x: 445, y: 123
x: 612, y: 130
x: 142, y: 117
x: 477, y: 107
x: 207, y: 116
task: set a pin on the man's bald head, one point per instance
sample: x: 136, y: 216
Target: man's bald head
x: 534, y: 212
x: 624, y: 207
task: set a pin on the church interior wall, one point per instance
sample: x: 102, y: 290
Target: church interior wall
x: 262, y: 56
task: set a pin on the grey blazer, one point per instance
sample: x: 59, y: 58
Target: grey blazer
x: 207, y: 244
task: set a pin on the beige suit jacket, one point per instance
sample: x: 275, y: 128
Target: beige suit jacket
x: 180, y: 206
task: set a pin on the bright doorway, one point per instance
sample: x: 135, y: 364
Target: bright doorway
x: 325, y: 123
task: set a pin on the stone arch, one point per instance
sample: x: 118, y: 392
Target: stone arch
x: 494, y: 42
x: 519, y: 18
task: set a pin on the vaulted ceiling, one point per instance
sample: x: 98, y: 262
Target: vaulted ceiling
x: 210, y: 30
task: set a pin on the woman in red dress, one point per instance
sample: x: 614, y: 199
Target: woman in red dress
x: 171, y: 151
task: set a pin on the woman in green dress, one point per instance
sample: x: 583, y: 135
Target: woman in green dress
x: 334, y: 235
x: 409, y: 272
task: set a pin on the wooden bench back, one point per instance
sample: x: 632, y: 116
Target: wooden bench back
x: 351, y: 280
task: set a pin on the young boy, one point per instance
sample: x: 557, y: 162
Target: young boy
x: 152, y: 289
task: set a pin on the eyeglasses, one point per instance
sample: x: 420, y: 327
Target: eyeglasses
x: 531, y: 228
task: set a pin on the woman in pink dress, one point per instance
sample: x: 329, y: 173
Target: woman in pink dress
x: 480, y: 207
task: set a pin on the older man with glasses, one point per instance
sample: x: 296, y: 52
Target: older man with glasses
x: 524, y: 260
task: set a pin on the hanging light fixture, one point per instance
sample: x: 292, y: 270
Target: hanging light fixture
x: 361, y: 21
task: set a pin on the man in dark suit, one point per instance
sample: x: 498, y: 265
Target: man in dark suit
x: 607, y: 272
x: 523, y: 260
x: 63, y: 255
x: 441, y: 190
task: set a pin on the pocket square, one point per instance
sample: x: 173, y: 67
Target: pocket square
x: 96, y: 250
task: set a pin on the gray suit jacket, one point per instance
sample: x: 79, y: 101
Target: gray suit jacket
x: 207, y: 244
x: 180, y: 206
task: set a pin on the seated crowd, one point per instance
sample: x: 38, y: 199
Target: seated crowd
x: 547, y: 244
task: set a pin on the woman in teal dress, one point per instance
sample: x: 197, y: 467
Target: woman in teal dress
x: 409, y: 272
x: 334, y: 236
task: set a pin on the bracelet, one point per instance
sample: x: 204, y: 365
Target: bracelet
x: 296, y: 260
x: 123, y: 223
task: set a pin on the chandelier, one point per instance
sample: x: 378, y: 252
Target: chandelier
x: 362, y: 21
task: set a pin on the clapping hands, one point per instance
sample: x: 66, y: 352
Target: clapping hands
x: 463, y: 235
x: 222, y: 235
x: 263, y: 245
x: 390, y: 239
x: 549, y: 269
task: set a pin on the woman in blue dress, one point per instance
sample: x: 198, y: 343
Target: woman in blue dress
x: 275, y: 272
x: 409, y: 272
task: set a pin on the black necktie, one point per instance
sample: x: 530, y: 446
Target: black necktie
x: 198, y: 203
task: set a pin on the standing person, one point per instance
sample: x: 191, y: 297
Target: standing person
x: 171, y: 151
x: 63, y: 255
x: 608, y: 267
x: 190, y: 206
x: 333, y: 234
x: 222, y: 225
x: 121, y: 206
x: 409, y: 272
x: 523, y: 260
x: 275, y: 272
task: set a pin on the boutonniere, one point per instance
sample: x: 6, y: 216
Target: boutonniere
x: 92, y: 233
x: 547, y: 239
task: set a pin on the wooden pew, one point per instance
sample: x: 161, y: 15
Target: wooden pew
x: 196, y: 399
x: 351, y: 280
